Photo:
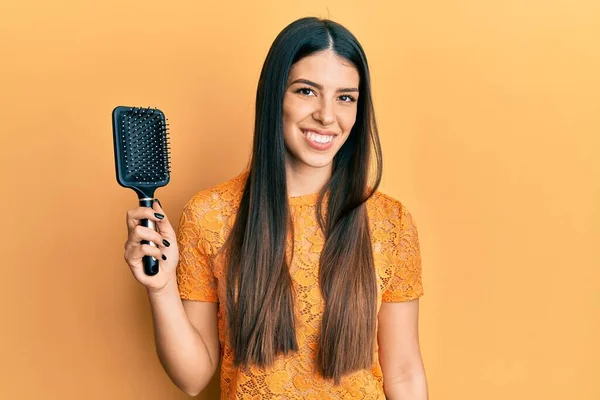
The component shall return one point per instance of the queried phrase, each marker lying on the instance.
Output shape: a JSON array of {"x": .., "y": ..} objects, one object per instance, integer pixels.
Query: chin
[{"x": 316, "y": 162}]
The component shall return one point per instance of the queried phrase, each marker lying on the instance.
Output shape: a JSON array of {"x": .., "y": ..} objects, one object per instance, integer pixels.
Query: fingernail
[
  {"x": 164, "y": 257},
  {"x": 166, "y": 242},
  {"x": 158, "y": 201},
  {"x": 159, "y": 216}
]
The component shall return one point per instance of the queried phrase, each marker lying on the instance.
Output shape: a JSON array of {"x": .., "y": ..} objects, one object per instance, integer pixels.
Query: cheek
[
  {"x": 296, "y": 110},
  {"x": 346, "y": 119},
  {"x": 290, "y": 118},
  {"x": 287, "y": 110}
]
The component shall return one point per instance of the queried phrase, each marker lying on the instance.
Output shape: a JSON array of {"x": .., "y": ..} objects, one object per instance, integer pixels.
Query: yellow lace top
[{"x": 203, "y": 227}]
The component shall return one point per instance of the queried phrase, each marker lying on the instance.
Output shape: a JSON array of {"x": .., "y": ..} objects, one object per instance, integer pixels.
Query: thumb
[
  {"x": 157, "y": 206},
  {"x": 164, "y": 225}
]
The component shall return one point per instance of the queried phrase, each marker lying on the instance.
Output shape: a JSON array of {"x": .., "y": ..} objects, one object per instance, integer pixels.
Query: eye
[
  {"x": 305, "y": 91},
  {"x": 346, "y": 98}
]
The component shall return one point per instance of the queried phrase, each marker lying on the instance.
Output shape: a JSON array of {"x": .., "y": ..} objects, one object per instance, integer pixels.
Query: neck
[{"x": 304, "y": 179}]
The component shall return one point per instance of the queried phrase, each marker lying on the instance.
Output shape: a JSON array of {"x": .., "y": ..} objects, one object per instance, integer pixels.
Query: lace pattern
[{"x": 204, "y": 224}]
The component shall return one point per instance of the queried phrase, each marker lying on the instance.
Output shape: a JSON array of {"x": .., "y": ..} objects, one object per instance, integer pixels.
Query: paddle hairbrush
[{"x": 142, "y": 159}]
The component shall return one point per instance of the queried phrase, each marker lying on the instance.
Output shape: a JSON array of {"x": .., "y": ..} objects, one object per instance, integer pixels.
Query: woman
[{"x": 297, "y": 274}]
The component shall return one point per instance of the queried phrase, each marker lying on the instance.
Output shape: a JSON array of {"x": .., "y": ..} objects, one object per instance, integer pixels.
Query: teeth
[{"x": 318, "y": 138}]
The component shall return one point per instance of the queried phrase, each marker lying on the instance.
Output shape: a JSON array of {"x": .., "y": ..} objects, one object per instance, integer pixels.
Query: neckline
[{"x": 303, "y": 200}]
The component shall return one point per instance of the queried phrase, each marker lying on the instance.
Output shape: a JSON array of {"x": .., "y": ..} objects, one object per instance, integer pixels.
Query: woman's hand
[{"x": 166, "y": 251}]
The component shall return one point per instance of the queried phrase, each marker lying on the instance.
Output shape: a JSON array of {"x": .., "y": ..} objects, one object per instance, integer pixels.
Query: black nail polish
[
  {"x": 159, "y": 216},
  {"x": 158, "y": 201},
  {"x": 166, "y": 242},
  {"x": 164, "y": 257}
]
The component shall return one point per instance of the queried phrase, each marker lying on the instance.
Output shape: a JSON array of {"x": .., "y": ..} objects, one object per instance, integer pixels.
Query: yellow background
[{"x": 489, "y": 113}]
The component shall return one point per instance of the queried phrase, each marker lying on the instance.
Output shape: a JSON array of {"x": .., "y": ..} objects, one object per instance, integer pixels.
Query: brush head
[{"x": 141, "y": 149}]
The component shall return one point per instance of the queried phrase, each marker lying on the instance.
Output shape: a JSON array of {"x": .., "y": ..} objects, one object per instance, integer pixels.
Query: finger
[
  {"x": 135, "y": 215},
  {"x": 157, "y": 208},
  {"x": 147, "y": 250},
  {"x": 133, "y": 255},
  {"x": 164, "y": 225},
  {"x": 157, "y": 205},
  {"x": 140, "y": 233}
]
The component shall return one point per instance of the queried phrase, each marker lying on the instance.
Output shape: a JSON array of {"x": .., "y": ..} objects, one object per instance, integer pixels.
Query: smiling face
[{"x": 319, "y": 110}]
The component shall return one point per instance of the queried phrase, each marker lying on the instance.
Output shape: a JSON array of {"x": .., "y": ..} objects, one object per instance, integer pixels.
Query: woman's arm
[
  {"x": 186, "y": 337},
  {"x": 399, "y": 352}
]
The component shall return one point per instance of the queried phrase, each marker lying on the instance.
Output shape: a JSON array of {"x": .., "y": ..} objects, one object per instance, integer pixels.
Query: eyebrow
[{"x": 320, "y": 87}]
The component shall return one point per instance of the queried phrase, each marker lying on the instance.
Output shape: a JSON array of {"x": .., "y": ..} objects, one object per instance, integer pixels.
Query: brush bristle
[{"x": 144, "y": 135}]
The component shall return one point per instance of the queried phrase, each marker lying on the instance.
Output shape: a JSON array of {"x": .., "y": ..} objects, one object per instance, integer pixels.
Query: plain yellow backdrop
[{"x": 489, "y": 113}]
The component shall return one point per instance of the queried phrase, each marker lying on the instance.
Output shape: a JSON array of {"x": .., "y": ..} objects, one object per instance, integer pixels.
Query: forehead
[{"x": 327, "y": 69}]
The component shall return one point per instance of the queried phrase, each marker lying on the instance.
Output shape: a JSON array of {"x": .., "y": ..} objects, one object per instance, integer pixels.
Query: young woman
[{"x": 298, "y": 275}]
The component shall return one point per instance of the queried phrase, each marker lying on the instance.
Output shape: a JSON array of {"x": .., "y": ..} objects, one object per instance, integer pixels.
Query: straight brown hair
[{"x": 260, "y": 299}]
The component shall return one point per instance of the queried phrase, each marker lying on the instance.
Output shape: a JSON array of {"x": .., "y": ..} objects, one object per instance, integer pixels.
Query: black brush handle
[{"x": 150, "y": 263}]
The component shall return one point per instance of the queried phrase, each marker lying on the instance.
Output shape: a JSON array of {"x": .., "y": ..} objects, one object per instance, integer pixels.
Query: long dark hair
[{"x": 260, "y": 296}]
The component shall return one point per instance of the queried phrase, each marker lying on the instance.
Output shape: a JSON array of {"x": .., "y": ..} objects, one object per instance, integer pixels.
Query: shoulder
[
  {"x": 387, "y": 211},
  {"x": 223, "y": 197},
  {"x": 384, "y": 206}
]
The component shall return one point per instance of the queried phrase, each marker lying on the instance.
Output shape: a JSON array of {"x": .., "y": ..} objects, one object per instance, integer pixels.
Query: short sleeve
[
  {"x": 406, "y": 281},
  {"x": 195, "y": 276}
]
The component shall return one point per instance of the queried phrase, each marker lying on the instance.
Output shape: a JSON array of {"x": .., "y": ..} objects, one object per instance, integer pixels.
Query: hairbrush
[{"x": 142, "y": 159}]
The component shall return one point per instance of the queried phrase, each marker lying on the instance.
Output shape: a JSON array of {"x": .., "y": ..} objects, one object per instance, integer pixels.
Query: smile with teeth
[{"x": 318, "y": 138}]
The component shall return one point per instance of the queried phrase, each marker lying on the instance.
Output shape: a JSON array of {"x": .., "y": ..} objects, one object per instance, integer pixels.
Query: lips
[{"x": 318, "y": 140}]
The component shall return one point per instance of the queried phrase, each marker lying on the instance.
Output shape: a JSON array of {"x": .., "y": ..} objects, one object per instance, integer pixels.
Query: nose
[{"x": 324, "y": 112}]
